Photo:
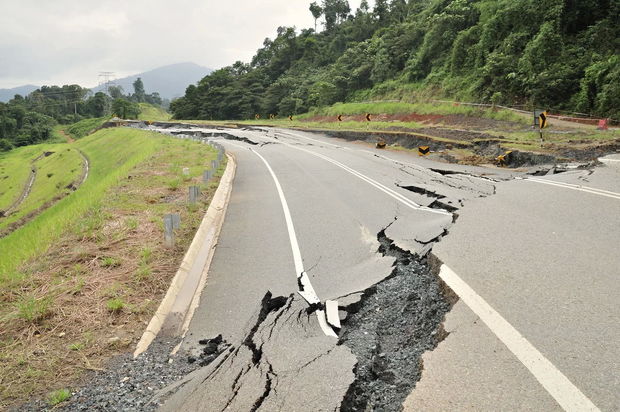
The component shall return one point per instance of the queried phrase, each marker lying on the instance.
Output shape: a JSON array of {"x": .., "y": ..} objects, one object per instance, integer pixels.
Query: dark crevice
[
  {"x": 278, "y": 316},
  {"x": 236, "y": 387},
  {"x": 268, "y": 387},
  {"x": 440, "y": 205},
  {"x": 435, "y": 239},
  {"x": 445, "y": 172},
  {"x": 390, "y": 328},
  {"x": 237, "y": 138},
  {"x": 316, "y": 358},
  {"x": 268, "y": 305},
  {"x": 422, "y": 191}
]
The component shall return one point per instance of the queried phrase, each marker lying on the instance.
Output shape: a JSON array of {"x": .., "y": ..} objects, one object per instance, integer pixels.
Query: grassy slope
[
  {"x": 54, "y": 174},
  {"x": 153, "y": 113},
  {"x": 404, "y": 108},
  {"x": 84, "y": 127},
  {"x": 111, "y": 252},
  {"x": 14, "y": 173},
  {"x": 112, "y": 152}
]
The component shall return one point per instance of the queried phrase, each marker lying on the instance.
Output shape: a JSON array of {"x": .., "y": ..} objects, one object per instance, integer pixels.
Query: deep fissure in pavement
[{"x": 390, "y": 327}]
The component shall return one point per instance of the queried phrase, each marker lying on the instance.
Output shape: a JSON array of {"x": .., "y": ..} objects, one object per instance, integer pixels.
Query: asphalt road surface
[{"x": 523, "y": 270}]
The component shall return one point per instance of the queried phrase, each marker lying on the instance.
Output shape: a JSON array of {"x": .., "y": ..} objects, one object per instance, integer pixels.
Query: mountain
[
  {"x": 8, "y": 94},
  {"x": 169, "y": 81}
]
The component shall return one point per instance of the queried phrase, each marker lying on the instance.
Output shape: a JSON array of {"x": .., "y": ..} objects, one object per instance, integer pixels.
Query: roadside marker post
[
  {"x": 169, "y": 231},
  {"x": 176, "y": 221},
  {"x": 186, "y": 171},
  {"x": 194, "y": 193},
  {"x": 540, "y": 120}
]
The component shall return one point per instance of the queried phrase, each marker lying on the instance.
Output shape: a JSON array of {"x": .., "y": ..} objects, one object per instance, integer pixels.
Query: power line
[{"x": 104, "y": 79}]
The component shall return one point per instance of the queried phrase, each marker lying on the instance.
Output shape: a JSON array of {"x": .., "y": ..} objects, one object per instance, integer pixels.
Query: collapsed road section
[{"x": 283, "y": 361}]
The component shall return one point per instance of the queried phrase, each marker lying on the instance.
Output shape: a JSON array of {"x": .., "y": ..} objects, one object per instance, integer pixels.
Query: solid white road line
[
  {"x": 571, "y": 186},
  {"x": 311, "y": 139},
  {"x": 392, "y": 193},
  {"x": 567, "y": 395},
  {"x": 308, "y": 292}
]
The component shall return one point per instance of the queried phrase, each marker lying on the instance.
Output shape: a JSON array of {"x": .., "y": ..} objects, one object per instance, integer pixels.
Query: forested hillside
[
  {"x": 559, "y": 54},
  {"x": 28, "y": 120}
]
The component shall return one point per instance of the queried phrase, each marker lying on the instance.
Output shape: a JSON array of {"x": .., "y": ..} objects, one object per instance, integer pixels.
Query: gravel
[
  {"x": 129, "y": 384},
  {"x": 389, "y": 329}
]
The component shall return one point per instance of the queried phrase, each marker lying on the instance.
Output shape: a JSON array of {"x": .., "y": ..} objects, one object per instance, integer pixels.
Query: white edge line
[
  {"x": 567, "y": 395},
  {"x": 585, "y": 189},
  {"x": 408, "y": 202},
  {"x": 299, "y": 266}
]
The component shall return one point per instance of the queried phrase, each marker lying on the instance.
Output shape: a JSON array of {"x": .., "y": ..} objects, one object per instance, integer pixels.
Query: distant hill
[
  {"x": 8, "y": 94},
  {"x": 170, "y": 81}
]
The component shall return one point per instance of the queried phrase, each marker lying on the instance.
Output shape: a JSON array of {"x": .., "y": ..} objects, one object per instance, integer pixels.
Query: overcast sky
[{"x": 71, "y": 41}]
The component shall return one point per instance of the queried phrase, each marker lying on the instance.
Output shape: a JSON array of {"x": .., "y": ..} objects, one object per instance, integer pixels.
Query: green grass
[
  {"x": 14, "y": 173},
  {"x": 84, "y": 127},
  {"x": 115, "y": 305},
  {"x": 54, "y": 174},
  {"x": 419, "y": 108},
  {"x": 153, "y": 113},
  {"x": 32, "y": 309},
  {"x": 58, "y": 396},
  {"x": 112, "y": 153}
]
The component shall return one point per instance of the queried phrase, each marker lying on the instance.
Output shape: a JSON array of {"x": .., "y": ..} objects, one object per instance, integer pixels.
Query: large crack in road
[
  {"x": 389, "y": 329},
  {"x": 284, "y": 362}
]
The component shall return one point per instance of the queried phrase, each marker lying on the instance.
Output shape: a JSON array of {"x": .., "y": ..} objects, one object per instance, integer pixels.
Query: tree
[
  {"x": 125, "y": 109},
  {"x": 97, "y": 105},
  {"x": 116, "y": 92},
  {"x": 138, "y": 91},
  {"x": 316, "y": 11}
]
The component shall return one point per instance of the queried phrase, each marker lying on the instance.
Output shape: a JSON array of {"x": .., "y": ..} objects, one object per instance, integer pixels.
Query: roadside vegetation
[
  {"x": 59, "y": 170},
  {"x": 153, "y": 113},
  {"x": 14, "y": 173},
  {"x": 487, "y": 51},
  {"x": 81, "y": 279},
  {"x": 57, "y": 114},
  {"x": 85, "y": 127}
]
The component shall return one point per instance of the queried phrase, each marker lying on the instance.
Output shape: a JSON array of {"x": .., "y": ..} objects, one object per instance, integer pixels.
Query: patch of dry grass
[{"x": 92, "y": 293}]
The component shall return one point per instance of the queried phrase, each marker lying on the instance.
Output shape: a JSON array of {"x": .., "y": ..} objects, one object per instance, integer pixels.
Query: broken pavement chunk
[{"x": 333, "y": 318}]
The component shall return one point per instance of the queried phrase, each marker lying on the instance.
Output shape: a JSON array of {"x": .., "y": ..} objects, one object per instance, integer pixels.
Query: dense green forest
[
  {"x": 28, "y": 120},
  {"x": 559, "y": 54}
]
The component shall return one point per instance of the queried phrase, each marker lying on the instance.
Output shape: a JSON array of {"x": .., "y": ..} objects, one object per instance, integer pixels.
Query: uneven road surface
[{"x": 527, "y": 318}]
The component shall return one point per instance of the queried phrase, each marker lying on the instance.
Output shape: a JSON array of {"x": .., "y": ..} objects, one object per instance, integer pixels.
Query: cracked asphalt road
[{"x": 341, "y": 195}]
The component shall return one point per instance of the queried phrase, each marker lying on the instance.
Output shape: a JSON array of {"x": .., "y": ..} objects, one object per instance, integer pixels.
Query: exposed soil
[{"x": 458, "y": 120}]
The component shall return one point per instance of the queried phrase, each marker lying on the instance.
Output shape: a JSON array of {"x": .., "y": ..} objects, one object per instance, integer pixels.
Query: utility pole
[{"x": 104, "y": 79}]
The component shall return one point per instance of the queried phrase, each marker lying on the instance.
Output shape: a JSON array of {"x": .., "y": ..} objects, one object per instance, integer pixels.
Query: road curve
[{"x": 542, "y": 255}]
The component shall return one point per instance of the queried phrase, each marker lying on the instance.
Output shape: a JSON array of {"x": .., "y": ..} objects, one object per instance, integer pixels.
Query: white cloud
[{"x": 71, "y": 41}]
